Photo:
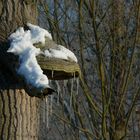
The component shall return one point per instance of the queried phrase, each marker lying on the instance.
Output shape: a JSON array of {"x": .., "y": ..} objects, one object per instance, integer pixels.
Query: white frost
[
  {"x": 22, "y": 45},
  {"x": 61, "y": 52}
]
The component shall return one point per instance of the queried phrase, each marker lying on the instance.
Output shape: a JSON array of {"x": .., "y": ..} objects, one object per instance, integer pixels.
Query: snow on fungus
[
  {"x": 61, "y": 52},
  {"x": 38, "y": 34},
  {"x": 22, "y": 45}
]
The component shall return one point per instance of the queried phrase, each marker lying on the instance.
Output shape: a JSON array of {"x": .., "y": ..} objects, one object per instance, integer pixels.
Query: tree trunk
[
  {"x": 19, "y": 113},
  {"x": 15, "y": 13}
]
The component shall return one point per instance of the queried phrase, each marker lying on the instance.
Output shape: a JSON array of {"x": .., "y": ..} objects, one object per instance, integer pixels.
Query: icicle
[
  {"x": 51, "y": 105},
  {"x": 77, "y": 86},
  {"x": 52, "y": 74},
  {"x": 58, "y": 97},
  {"x": 65, "y": 88},
  {"x": 74, "y": 76},
  {"x": 44, "y": 110},
  {"x": 65, "y": 83},
  {"x": 71, "y": 93},
  {"x": 58, "y": 90},
  {"x": 50, "y": 82},
  {"x": 47, "y": 115}
]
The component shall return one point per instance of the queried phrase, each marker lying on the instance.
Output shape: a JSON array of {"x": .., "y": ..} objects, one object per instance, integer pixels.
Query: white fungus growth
[{"x": 22, "y": 44}]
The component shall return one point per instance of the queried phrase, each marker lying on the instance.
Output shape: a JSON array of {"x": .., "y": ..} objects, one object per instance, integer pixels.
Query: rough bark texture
[
  {"x": 19, "y": 113},
  {"x": 15, "y": 13}
]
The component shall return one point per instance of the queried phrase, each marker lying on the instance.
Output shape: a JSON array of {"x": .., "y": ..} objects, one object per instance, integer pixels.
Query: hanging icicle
[
  {"x": 44, "y": 109},
  {"x": 47, "y": 114},
  {"x": 52, "y": 74},
  {"x": 63, "y": 91},
  {"x": 77, "y": 86},
  {"x": 58, "y": 97},
  {"x": 74, "y": 76},
  {"x": 65, "y": 84},
  {"x": 51, "y": 104},
  {"x": 71, "y": 95},
  {"x": 58, "y": 91}
]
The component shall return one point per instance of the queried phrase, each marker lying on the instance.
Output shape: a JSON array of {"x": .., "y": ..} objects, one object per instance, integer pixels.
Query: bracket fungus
[
  {"x": 41, "y": 59},
  {"x": 57, "y": 68}
]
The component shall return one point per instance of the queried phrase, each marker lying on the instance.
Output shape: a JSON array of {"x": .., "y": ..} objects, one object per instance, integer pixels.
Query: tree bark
[
  {"x": 19, "y": 113},
  {"x": 15, "y": 13}
]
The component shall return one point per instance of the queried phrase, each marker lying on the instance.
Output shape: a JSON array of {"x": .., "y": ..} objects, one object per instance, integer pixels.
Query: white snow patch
[
  {"x": 22, "y": 45},
  {"x": 30, "y": 69},
  {"x": 20, "y": 41},
  {"x": 61, "y": 52},
  {"x": 38, "y": 34}
]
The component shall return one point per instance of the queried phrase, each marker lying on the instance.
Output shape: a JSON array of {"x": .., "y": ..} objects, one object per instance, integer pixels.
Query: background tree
[{"x": 105, "y": 36}]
